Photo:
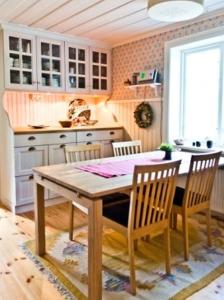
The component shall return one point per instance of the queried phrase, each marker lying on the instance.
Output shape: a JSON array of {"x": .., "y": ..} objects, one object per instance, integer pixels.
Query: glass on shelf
[
  {"x": 55, "y": 50},
  {"x": 13, "y": 43},
  {"x": 81, "y": 54},
  {"x": 26, "y": 61},
  {"x": 72, "y": 81},
  {"x": 45, "y": 64},
  {"x": 72, "y": 53},
  {"x": 56, "y": 80},
  {"x": 14, "y": 77},
  {"x": 45, "y": 49},
  {"x": 82, "y": 83},
  {"x": 45, "y": 79},
  {"x": 95, "y": 83},
  {"x": 56, "y": 65},
  {"x": 26, "y": 46},
  {"x": 27, "y": 77},
  {"x": 14, "y": 60},
  {"x": 72, "y": 68},
  {"x": 103, "y": 71},
  {"x": 82, "y": 70},
  {"x": 95, "y": 57},
  {"x": 103, "y": 84},
  {"x": 95, "y": 70},
  {"x": 103, "y": 58}
]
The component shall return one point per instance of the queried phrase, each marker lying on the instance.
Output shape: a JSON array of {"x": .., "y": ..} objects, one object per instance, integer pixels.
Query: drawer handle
[
  {"x": 32, "y": 149},
  {"x": 89, "y": 134},
  {"x": 112, "y": 132},
  {"x": 89, "y": 143},
  {"x": 31, "y": 138},
  {"x": 30, "y": 177},
  {"x": 62, "y": 136},
  {"x": 62, "y": 146},
  {"x": 112, "y": 141}
]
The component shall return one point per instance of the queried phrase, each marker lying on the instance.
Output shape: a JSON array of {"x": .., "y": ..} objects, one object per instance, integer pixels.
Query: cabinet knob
[
  {"x": 112, "y": 132},
  {"x": 31, "y": 138},
  {"x": 89, "y": 134},
  {"x": 32, "y": 149},
  {"x": 30, "y": 177},
  {"x": 89, "y": 143},
  {"x": 62, "y": 146},
  {"x": 62, "y": 136},
  {"x": 112, "y": 141}
]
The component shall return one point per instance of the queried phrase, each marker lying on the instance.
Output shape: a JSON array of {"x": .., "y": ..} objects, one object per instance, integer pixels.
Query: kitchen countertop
[{"x": 24, "y": 130}]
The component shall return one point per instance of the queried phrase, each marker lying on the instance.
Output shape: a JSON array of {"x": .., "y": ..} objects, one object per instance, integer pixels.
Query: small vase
[{"x": 167, "y": 155}]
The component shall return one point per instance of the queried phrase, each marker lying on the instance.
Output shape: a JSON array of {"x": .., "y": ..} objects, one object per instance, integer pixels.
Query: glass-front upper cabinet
[
  {"x": 50, "y": 68},
  {"x": 100, "y": 71},
  {"x": 20, "y": 61},
  {"x": 77, "y": 68}
]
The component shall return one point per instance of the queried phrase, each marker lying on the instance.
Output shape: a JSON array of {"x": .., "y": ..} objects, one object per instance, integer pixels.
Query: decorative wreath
[{"x": 143, "y": 115}]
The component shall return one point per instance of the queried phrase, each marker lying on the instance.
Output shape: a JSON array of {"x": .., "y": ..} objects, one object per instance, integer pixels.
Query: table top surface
[{"x": 95, "y": 186}]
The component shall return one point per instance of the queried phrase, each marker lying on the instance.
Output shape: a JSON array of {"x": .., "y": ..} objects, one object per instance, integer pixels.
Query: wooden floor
[{"x": 19, "y": 278}]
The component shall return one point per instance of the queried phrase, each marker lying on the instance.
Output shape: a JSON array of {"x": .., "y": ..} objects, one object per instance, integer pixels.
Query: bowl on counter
[{"x": 65, "y": 123}]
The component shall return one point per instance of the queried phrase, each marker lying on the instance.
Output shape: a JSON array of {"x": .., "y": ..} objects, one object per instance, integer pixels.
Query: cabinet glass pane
[
  {"x": 14, "y": 77},
  {"x": 26, "y": 46},
  {"x": 45, "y": 64},
  {"x": 14, "y": 60},
  {"x": 81, "y": 69},
  {"x": 55, "y": 50},
  {"x": 81, "y": 54},
  {"x": 27, "y": 77},
  {"x": 95, "y": 70},
  {"x": 103, "y": 84},
  {"x": 56, "y": 66},
  {"x": 72, "y": 68},
  {"x": 72, "y": 53},
  {"x": 104, "y": 71},
  {"x": 95, "y": 83},
  {"x": 95, "y": 57},
  {"x": 27, "y": 62},
  {"x": 103, "y": 58},
  {"x": 56, "y": 80},
  {"x": 45, "y": 79},
  {"x": 82, "y": 83},
  {"x": 45, "y": 49},
  {"x": 72, "y": 81},
  {"x": 13, "y": 43}
]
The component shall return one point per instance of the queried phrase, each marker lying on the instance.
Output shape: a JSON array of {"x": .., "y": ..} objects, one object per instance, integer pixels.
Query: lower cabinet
[{"x": 57, "y": 153}]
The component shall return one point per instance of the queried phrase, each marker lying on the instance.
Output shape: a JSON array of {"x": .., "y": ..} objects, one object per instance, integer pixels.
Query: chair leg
[
  {"x": 185, "y": 237},
  {"x": 132, "y": 266},
  {"x": 135, "y": 245},
  {"x": 167, "y": 249},
  {"x": 71, "y": 221},
  {"x": 208, "y": 217}
]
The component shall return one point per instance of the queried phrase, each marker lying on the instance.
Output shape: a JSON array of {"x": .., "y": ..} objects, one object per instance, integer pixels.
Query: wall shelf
[{"x": 136, "y": 87}]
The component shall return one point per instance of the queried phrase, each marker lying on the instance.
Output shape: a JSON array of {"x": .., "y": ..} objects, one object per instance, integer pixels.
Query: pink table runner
[{"x": 118, "y": 168}]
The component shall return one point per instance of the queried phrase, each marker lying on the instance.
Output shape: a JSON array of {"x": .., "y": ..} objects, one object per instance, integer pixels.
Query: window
[{"x": 196, "y": 92}]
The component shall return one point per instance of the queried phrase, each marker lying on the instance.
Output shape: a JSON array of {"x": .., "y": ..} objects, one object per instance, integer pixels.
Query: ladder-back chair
[{"x": 126, "y": 148}]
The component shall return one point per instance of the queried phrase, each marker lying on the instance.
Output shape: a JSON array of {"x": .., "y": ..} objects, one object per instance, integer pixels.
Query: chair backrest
[
  {"x": 126, "y": 148},
  {"x": 152, "y": 195},
  {"x": 200, "y": 179},
  {"x": 82, "y": 152}
]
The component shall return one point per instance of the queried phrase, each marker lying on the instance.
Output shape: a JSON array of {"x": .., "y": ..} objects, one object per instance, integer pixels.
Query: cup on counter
[
  {"x": 198, "y": 144},
  {"x": 209, "y": 143}
]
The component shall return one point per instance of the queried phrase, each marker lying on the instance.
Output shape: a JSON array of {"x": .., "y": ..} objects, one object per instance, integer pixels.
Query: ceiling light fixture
[{"x": 174, "y": 10}]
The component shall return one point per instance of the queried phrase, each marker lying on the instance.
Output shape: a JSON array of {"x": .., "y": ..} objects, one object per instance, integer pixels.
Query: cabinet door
[
  {"x": 50, "y": 70},
  {"x": 76, "y": 68},
  {"x": 100, "y": 61},
  {"x": 57, "y": 154},
  {"x": 107, "y": 148},
  {"x": 27, "y": 158},
  {"x": 20, "y": 61}
]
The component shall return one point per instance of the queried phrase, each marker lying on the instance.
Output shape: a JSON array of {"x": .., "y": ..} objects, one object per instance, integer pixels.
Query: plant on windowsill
[{"x": 168, "y": 148}]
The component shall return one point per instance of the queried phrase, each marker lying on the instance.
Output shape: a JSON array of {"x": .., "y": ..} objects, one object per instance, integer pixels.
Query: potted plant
[{"x": 168, "y": 148}]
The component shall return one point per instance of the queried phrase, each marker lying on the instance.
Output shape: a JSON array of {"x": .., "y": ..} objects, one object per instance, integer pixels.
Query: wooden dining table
[{"x": 69, "y": 181}]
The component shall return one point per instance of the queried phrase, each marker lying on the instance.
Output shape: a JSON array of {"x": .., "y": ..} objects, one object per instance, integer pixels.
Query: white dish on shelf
[{"x": 37, "y": 126}]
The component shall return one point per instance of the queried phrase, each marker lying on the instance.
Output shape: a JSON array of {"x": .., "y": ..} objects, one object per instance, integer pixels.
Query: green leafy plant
[{"x": 166, "y": 147}]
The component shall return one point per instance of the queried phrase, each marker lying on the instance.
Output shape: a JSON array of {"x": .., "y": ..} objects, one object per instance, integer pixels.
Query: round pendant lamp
[{"x": 174, "y": 10}]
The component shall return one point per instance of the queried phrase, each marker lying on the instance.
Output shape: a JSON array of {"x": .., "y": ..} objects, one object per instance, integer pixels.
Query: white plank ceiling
[{"x": 110, "y": 21}]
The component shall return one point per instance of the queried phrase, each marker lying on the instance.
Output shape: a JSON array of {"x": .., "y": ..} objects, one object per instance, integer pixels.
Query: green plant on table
[{"x": 166, "y": 147}]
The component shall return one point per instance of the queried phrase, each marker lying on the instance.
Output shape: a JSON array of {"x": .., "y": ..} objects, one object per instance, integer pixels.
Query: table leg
[
  {"x": 39, "y": 218},
  {"x": 95, "y": 250}
]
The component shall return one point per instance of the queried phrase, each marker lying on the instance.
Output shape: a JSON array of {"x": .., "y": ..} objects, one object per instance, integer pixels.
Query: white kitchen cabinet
[
  {"x": 76, "y": 68},
  {"x": 100, "y": 73},
  {"x": 50, "y": 65},
  {"x": 20, "y": 61},
  {"x": 57, "y": 153}
]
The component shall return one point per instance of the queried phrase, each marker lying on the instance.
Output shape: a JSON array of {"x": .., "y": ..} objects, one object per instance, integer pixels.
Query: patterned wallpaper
[{"x": 149, "y": 53}]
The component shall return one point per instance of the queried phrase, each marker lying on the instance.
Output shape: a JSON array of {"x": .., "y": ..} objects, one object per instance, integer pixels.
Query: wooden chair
[
  {"x": 196, "y": 195},
  {"x": 126, "y": 148},
  {"x": 87, "y": 152},
  {"x": 148, "y": 212}
]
